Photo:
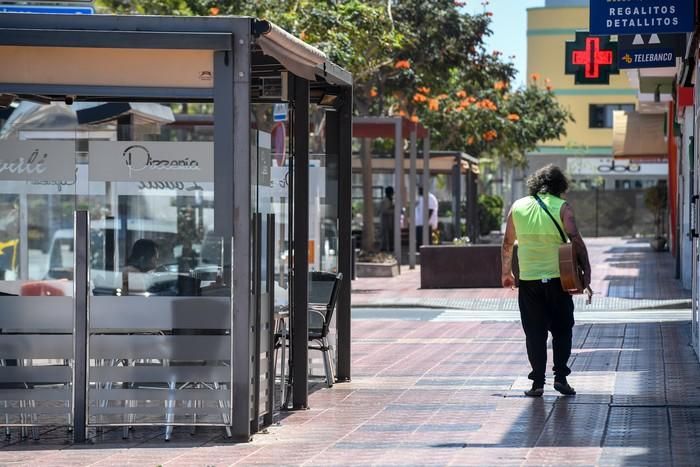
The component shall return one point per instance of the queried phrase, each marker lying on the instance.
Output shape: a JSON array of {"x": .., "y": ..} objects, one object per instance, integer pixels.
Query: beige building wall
[{"x": 549, "y": 28}]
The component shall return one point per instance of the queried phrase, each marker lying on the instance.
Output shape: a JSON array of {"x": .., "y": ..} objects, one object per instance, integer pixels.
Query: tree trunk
[{"x": 367, "y": 201}]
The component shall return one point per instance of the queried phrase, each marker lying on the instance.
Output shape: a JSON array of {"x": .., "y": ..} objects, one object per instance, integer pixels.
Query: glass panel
[
  {"x": 152, "y": 215},
  {"x": 270, "y": 175},
  {"x": 323, "y": 200},
  {"x": 37, "y": 201},
  {"x": 271, "y": 193},
  {"x": 323, "y": 232},
  {"x": 154, "y": 253}
]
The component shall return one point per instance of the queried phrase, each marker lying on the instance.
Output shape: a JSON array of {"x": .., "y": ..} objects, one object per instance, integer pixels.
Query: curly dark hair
[{"x": 549, "y": 179}]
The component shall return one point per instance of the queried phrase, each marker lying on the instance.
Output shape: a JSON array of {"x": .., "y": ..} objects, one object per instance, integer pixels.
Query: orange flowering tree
[
  {"x": 498, "y": 121},
  {"x": 439, "y": 43},
  {"x": 443, "y": 76}
]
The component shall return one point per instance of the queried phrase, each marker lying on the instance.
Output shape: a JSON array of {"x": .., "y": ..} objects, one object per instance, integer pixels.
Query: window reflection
[
  {"x": 157, "y": 200},
  {"x": 37, "y": 198},
  {"x": 323, "y": 186},
  {"x": 271, "y": 195},
  {"x": 169, "y": 207}
]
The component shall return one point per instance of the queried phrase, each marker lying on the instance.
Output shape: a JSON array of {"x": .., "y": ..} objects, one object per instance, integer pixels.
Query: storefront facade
[{"x": 156, "y": 174}]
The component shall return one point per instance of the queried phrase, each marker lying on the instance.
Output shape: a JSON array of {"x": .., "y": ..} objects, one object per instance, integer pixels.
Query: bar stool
[{"x": 23, "y": 403}]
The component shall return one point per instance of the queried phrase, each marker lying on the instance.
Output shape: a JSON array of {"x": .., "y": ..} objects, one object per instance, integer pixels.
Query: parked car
[{"x": 174, "y": 274}]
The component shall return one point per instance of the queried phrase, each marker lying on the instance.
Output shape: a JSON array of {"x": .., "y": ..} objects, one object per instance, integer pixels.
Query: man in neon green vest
[{"x": 544, "y": 306}]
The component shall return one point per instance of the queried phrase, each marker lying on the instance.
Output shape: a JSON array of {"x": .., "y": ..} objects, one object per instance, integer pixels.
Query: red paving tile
[
  {"x": 429, "y": 403},
  {"x": 450, "y": 393},
  {"x": 622, "y": 268}
]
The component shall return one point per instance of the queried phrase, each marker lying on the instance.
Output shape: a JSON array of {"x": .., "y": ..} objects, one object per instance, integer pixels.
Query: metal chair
[
  {"x": 170, "y": 402},
  {"x": 323, "y": 294},
  {"x": 281, "y": 331}
]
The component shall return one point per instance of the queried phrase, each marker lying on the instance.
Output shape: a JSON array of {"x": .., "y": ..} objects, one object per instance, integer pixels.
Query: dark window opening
[{"x": 601, "y": 115}]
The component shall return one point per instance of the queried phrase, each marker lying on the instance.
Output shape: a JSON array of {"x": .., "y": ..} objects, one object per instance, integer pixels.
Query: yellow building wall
[{"x": 548, "y": 31}]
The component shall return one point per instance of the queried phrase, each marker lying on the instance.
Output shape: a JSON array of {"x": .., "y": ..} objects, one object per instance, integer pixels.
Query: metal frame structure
[
  {"x": 300, "y": 327},
  {"x": 238, "y": 59},
  {"x": 466, "y": 165},
  {"x": 398, "y": 129},
  {"x": 464, "y": 172}
]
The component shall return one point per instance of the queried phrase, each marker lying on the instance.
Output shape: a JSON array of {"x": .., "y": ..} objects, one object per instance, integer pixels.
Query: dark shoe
[
  {"x": 535, "y": 391},
  {"x": 564, "y": 388}
]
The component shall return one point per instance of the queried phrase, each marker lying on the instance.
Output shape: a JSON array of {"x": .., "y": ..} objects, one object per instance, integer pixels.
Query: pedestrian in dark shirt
[{"x": 386, "y": 220}]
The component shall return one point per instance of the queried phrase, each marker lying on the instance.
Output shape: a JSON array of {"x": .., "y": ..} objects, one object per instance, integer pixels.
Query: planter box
[
  {"x": 377, "y": 269},
  {"x": 469, "y": 266}
]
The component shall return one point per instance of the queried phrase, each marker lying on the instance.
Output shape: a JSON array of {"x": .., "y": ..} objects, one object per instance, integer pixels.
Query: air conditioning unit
[{"x": 274, "y": 87}]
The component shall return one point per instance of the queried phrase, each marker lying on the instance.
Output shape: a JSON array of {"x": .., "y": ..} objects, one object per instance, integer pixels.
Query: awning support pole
[
  {"x": 345, "y": 251},
  {"x": 300, "y": 315},
  {"x": 237, "y": 143}
]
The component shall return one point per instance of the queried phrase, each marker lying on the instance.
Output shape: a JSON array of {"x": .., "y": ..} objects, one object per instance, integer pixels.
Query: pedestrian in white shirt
[{"x": 432, "y": 216}]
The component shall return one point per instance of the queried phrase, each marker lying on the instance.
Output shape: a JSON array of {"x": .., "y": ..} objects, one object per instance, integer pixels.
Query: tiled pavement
[
  {"x": 433, "y": 391},
  {"x": 627, "y": 274},
  {"x": 450, "y": 393}
]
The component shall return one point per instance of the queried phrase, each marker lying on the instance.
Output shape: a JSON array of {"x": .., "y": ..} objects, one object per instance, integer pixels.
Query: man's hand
[
  {"x": 586, "y": 277},
  {"x": 508, "y": 280},
  {"x": 589, "y": 295}
]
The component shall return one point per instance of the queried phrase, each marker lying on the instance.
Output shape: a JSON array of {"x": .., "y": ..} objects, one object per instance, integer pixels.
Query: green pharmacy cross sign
[{"x": 591, "y": 59}]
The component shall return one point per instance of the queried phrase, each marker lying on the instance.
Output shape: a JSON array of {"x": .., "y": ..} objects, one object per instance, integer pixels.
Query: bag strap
[{"x": 556, "y": 224}]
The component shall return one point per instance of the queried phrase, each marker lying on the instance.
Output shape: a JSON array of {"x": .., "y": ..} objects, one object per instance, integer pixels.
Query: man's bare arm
[
  {"x": 567, "y": 217},
  {"x": 507, "y": 278}
]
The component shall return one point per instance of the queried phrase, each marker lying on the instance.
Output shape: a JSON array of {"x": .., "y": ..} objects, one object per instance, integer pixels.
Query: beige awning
[
  {"x": 639, "y": 135},
  {"x": 294, "y": 54}
]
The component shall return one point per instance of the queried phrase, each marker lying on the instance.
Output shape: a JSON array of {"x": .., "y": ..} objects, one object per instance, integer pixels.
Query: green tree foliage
[
  {"x": 490, "y": 213},
  {"x": 144, "y": 7},
  {"x": 423, "y": 59},
  {"x": 359, "y": 35}
]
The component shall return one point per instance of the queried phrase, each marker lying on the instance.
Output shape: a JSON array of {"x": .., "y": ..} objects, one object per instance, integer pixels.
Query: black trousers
[
  {"x": 387, "y": 239},
  {"x": 544, "y": 307}
]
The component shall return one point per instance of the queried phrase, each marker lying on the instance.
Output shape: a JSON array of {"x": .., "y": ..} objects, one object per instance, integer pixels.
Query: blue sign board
[
  {"x": 48, "y": 9},
  {"x": 641, "y": 16},
  {"x": 279, "y": 113},
  {"x": 650, "y": 51},
  {"x": 649, "y": 58}
]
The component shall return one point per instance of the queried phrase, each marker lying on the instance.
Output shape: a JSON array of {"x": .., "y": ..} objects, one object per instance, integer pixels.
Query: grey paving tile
[{"x": 464, "y": 406}]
